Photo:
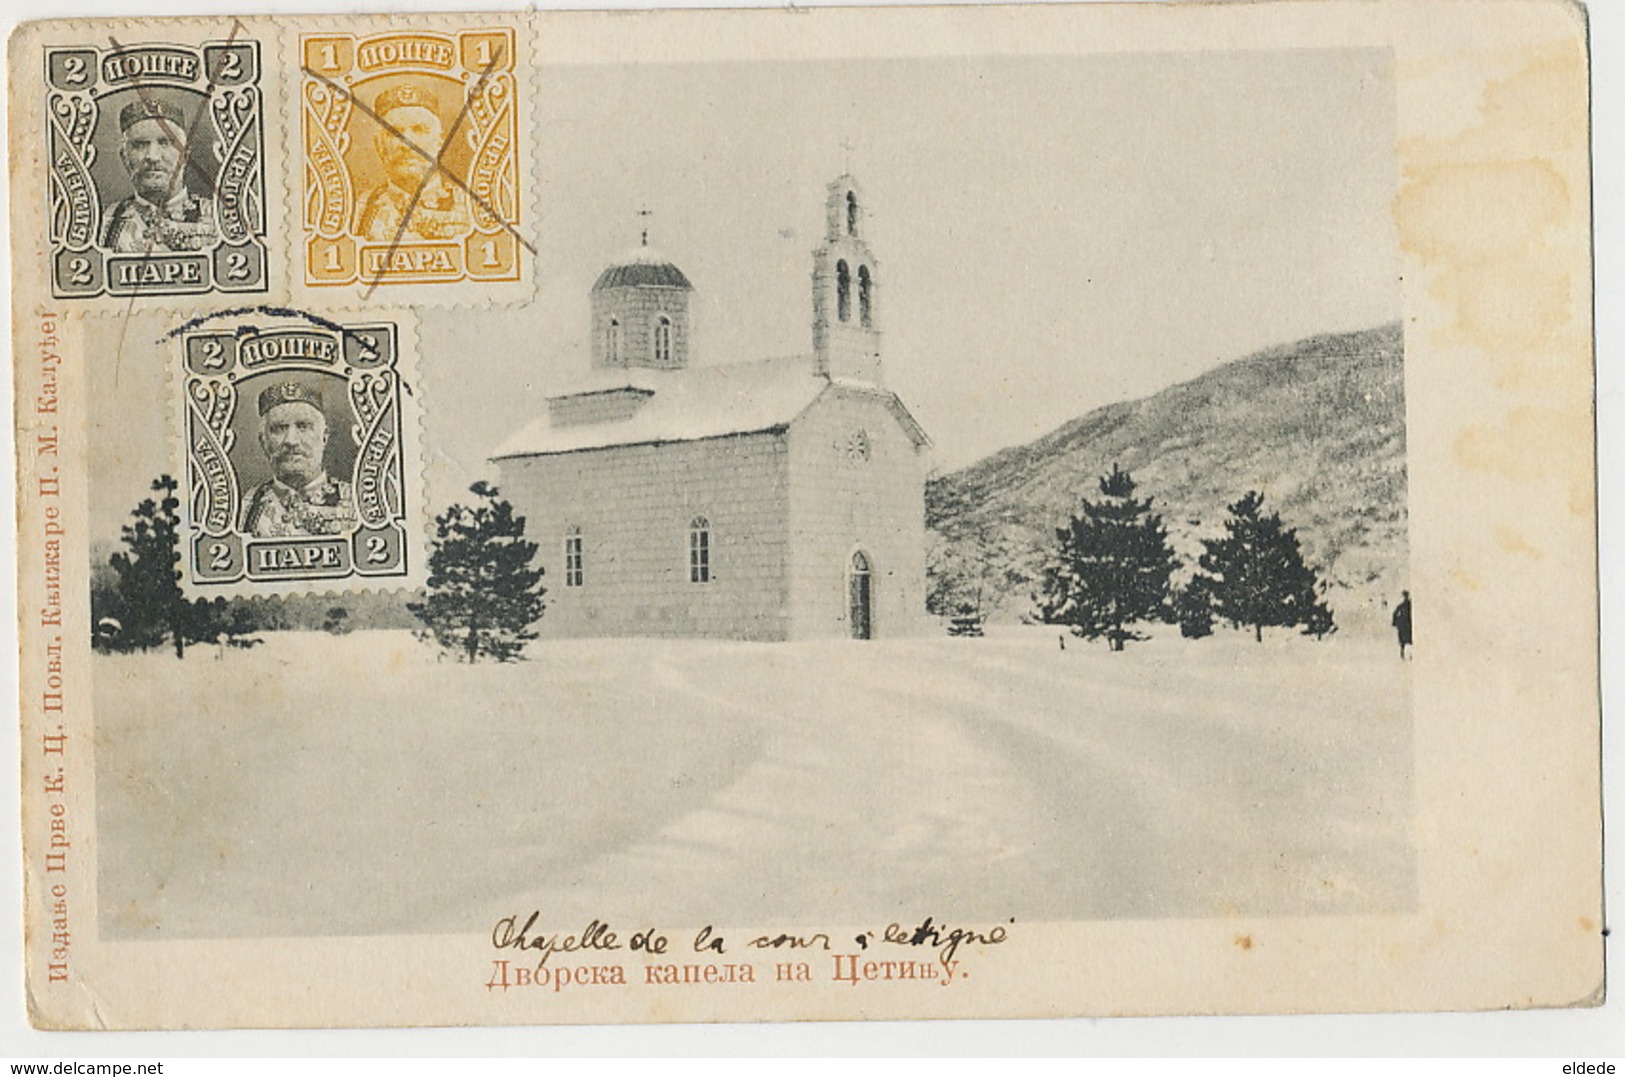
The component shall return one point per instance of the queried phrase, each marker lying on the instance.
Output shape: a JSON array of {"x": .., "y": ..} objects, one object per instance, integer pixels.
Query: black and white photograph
[{"x": 886, "y": 547}]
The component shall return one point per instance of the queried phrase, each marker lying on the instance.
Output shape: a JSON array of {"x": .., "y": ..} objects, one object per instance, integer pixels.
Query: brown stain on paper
[
  {"x": 1534, "y": 445},
  {"x": 1495, "y": 216},
  {"x": 1513, "y": 542},
  {"x": 1466, "y": 580}
]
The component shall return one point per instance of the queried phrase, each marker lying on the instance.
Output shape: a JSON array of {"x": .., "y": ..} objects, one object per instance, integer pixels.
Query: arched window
[
  {"x": 860, "y": 597},
  {"x": 612, "y": 341},
  {"x": 699, "y": 550},
  {"x": 851, "y": 214},
  {"x": 573, "y": 576},
  {"x": 843, "y": 291},
  {"x": 662, "y": 339},
  {"x": 865, "y": 297}
]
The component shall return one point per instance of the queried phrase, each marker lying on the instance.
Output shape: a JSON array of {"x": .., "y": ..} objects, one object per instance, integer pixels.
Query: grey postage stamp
[
  {"x": 156, "y": 181},
  {"x": 294, "y": 464}
]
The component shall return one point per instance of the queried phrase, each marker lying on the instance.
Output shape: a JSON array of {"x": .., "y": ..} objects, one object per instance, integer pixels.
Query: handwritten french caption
[{"x": 927, "y": 953}]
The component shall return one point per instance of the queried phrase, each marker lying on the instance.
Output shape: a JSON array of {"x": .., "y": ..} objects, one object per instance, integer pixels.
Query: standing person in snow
[{"x": 1402, "y": 622}]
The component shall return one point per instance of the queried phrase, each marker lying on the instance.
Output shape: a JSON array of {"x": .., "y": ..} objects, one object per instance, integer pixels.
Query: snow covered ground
[{"x": 355, "y": 785}]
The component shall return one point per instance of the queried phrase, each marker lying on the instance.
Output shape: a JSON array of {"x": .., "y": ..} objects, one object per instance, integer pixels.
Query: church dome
[
  {"x": 645, "y": 268},
  {"x": 640, "y": 313}
]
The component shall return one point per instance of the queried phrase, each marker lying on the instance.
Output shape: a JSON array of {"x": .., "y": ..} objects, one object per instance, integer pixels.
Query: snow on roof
[
  {"x": 644, "y": 267},
  {"x": 688, "y": 404},
  {"x": 640, "y": 275}
]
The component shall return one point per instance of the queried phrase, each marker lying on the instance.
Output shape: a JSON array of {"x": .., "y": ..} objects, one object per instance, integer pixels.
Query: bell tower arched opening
[{"x": 846, "y": 342}]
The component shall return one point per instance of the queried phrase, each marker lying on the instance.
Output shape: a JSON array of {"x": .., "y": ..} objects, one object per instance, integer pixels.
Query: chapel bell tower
[{"x": 846, "y": 326}]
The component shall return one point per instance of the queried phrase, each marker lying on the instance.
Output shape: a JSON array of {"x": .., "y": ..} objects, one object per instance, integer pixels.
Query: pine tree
[
  {"x": 139, "y": 605},
  {"x": 1193, "y": 608},
  {"x": 483, "y": 594},
  {"x": 337, "y": 621},
  {"x": 1319, "y": 623},
  {"x": 1256, "y": 574},
  {"x": 1111, "y": 567},
  {"x": 149, "y": 605}
]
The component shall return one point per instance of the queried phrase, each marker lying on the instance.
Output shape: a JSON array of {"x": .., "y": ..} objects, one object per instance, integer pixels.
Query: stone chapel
[{"x": 765, "y": 499}]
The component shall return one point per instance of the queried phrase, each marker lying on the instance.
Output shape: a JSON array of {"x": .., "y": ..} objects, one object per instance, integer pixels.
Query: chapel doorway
[{"x": 861, "y": 596}]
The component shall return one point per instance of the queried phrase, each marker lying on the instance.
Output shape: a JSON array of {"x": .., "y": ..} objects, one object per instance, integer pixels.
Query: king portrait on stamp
[
  {"x": 416, "y": 201},
  {"x": 161, "y": 214},
  {"x": 301, "y": 498}
]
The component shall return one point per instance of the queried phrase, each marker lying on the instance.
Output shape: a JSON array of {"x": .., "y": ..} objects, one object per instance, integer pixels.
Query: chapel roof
[
  {"x": 693, "y": 403},
  {"x": 643, "y": 267}
]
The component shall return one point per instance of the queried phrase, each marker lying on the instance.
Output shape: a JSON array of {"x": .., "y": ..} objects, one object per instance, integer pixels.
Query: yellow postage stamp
[{"x": 411, "y": 166}]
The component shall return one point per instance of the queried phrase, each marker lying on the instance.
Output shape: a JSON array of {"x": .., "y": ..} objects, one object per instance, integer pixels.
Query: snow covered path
[{"x": 680, "y": 782}]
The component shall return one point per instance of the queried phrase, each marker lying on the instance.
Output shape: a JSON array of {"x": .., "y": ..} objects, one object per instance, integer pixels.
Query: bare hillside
[{"x": 1318, "y": 426}]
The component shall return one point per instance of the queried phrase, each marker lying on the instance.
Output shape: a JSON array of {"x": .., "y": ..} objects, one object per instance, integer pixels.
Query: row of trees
[
  {"x": 1112, "y": 570},
  {"x": 483, "y": 599}
]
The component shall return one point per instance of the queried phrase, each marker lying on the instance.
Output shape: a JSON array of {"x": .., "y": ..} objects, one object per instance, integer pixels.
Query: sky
[{"x": 1053, "y": 233}]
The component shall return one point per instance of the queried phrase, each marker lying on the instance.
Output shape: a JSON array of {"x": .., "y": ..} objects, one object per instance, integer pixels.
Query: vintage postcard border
[{"x": 1501, "y": 464}]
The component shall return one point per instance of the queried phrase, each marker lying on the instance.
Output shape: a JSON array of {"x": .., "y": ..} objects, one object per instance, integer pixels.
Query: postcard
[{"x": 807, "y": 514}]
